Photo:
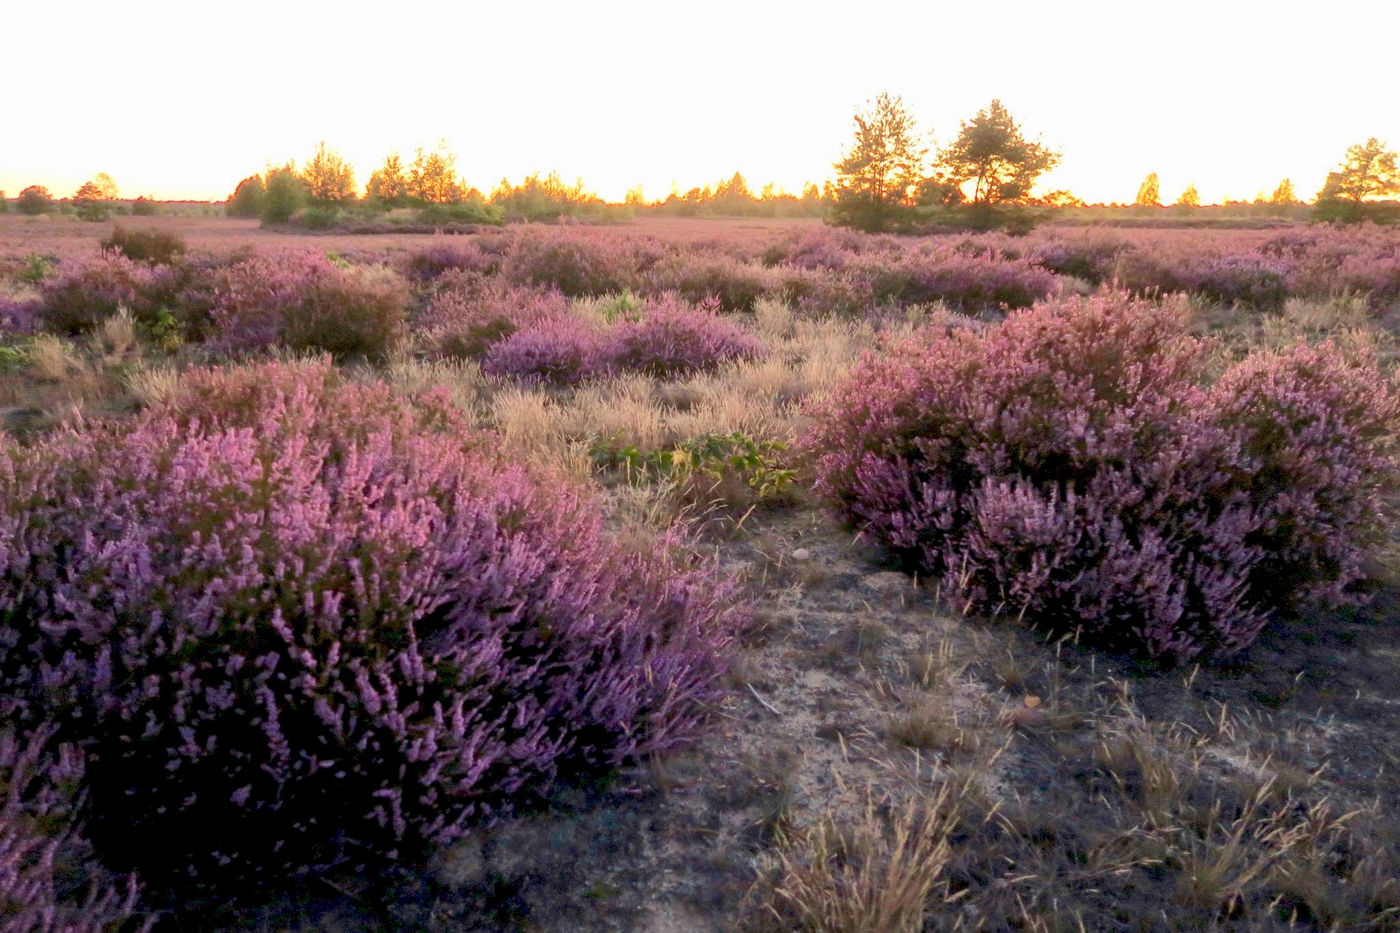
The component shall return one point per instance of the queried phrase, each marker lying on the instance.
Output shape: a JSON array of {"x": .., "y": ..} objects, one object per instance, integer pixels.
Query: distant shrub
[
  {"x": 558, "y": 350},
  {"x": 699, "y": 276},
  {"x": 144, "y": 207},
  {"x": 462, "y": 212},
  {"x": 4, "y": 203},
  {"x": 86, "y": 292},
  {"x": 295, "y": 622},
  {"x": 464, "y": 320},
  {"x": 247, "y": 199},
  {"x": 145, "y": 245},
  {"x": 303, "y": 301},
  {"x": 46, "y": 883},
  {"x": 576, "y": 264},
  {"x": 674, "y": 339},
  {"x": 34, "y": 200},
  {"x": 1068, "y": 465},
  {"x": 317, "y": 217},
  {"x": 284, "y": 193}
]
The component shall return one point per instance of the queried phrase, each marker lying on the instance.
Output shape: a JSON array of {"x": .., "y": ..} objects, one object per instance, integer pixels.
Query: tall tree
[
  {"x": 247, "y": 198},
  {"x": 1283, "y": 195},
  {"x": 433, "y": 177},
  {"x": 329, "y": 178},
  {"x": 388, "y": 184},
  {"x": 877, "y": 178},
  {"x": 993, "y": 156},
  {"x": 1189, "y": 197},
  {"x": 1149, "y": 192},
  {"x": 1369, "y": 174}
]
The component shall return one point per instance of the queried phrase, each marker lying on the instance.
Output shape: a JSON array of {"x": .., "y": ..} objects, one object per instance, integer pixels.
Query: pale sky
[{"x": 183, "y": 99}]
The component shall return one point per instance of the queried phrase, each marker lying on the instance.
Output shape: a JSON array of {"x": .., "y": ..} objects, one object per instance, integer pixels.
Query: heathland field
[{"x": 692, "y": 575}]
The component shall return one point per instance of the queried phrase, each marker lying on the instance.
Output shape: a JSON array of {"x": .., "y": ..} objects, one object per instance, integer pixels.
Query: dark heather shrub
[
  {"x": 577, "y": 264},
  {"x": 18, "y": 317},
  {"x": 1068, "y": 464},
  {"x": 86, "y": 292},
  {"x": 699, "y": 276},
  {"x": 303, "y": 301},
  {"x": 1252, "y": 279},
  {"x": 464, "y": 320},
  {"x": 447, "y": 255},
  {"x": 144, "y": 245},
  {"x": 48, "y": 881},
  {"x": 560, "y": 350},
  {"x": 675, "y": 339},
  {"x": 295, "y": 622}
]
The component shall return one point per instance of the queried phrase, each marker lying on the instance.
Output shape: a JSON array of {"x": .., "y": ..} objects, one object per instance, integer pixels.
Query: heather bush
[
  {"x": 144, "y": 245},
  {"x": 46, "y": 883},
  {"x": 575, "y": 264},
  {"x": 448, "y": 255},
  {"x": 673, "y": 339},
  {"x": 86, "y": 292},
  {"x": 464, "y": 320},
  {"x": 295, "y": 622},
  {"x": 560, "y": 350},
  {"x": 303, "y": 301},
  {"x": 19, "y": 317},
  {"x": 700, "y": 276},
  {"x": 1252, "y": 279},
  {"x": 1068, "y": 464},
  {"x": 966, "y": 281}
]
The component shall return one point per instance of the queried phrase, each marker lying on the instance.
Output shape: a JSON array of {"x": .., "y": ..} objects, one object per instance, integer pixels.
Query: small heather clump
[
  {"x": 559, "y": 350},
  {"x": 294, "y": 621},
  {"x": 448, "y": 255},
  {"x": 674, "y": 339},
  {"x": 86, "y": 292},
  {"x": 699, "y": 276},
  {"x": 577, "y": 264},
  {"x": 303, "y": 301},
  {"x": 145, "y": 244},
  {"x": 1068, "y": 464},
  {"x": 466, "y": 319},
  {"x": 961, "y": 279}
]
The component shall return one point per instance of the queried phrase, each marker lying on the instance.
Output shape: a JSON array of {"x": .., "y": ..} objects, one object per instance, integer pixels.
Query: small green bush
[{"x": 145, "y": 245}]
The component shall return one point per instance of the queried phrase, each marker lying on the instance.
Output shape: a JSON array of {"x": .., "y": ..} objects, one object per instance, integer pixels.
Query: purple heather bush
[
  {"x": 85, "y": 292},
  {"x": 448, "y": 255},
  {"x": 19, "y": 317},
  {"x": 1070, "y": 464},
  {"x": 293, "y": 622},
  {"x": 303, "y": 301},
  {"x": 559, "y": 350},
  {"x": 673, "y": 338},
  {"x": 465, "y": 319},
  {"x": 47, "y": 885},
  {"x": 698, "y": 276},
  {"x": 962, "y": 280},
  {"x": 576, "y": 263}
]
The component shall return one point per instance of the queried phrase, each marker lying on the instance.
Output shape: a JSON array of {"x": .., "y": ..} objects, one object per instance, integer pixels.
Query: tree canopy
[
  {"x": 1368, "y": 174},
  {"x": 992, "y": 154},
  {"x": 879, "y": 175}
]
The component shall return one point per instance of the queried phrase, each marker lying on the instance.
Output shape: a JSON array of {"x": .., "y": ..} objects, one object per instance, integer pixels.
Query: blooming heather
[
  {"x": 1068, "y": 464},
  {"x": 294, "y": 621},
  {"x": 40, "y": 851},
  {"x": 674, "y": 339}
]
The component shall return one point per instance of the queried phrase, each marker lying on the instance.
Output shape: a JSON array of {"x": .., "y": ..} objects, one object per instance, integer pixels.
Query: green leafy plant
[{"x": 705, "y": 456}]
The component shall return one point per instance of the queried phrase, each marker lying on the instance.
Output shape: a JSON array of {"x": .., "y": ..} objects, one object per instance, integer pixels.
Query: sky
[{"x": 180, "y": 100}]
